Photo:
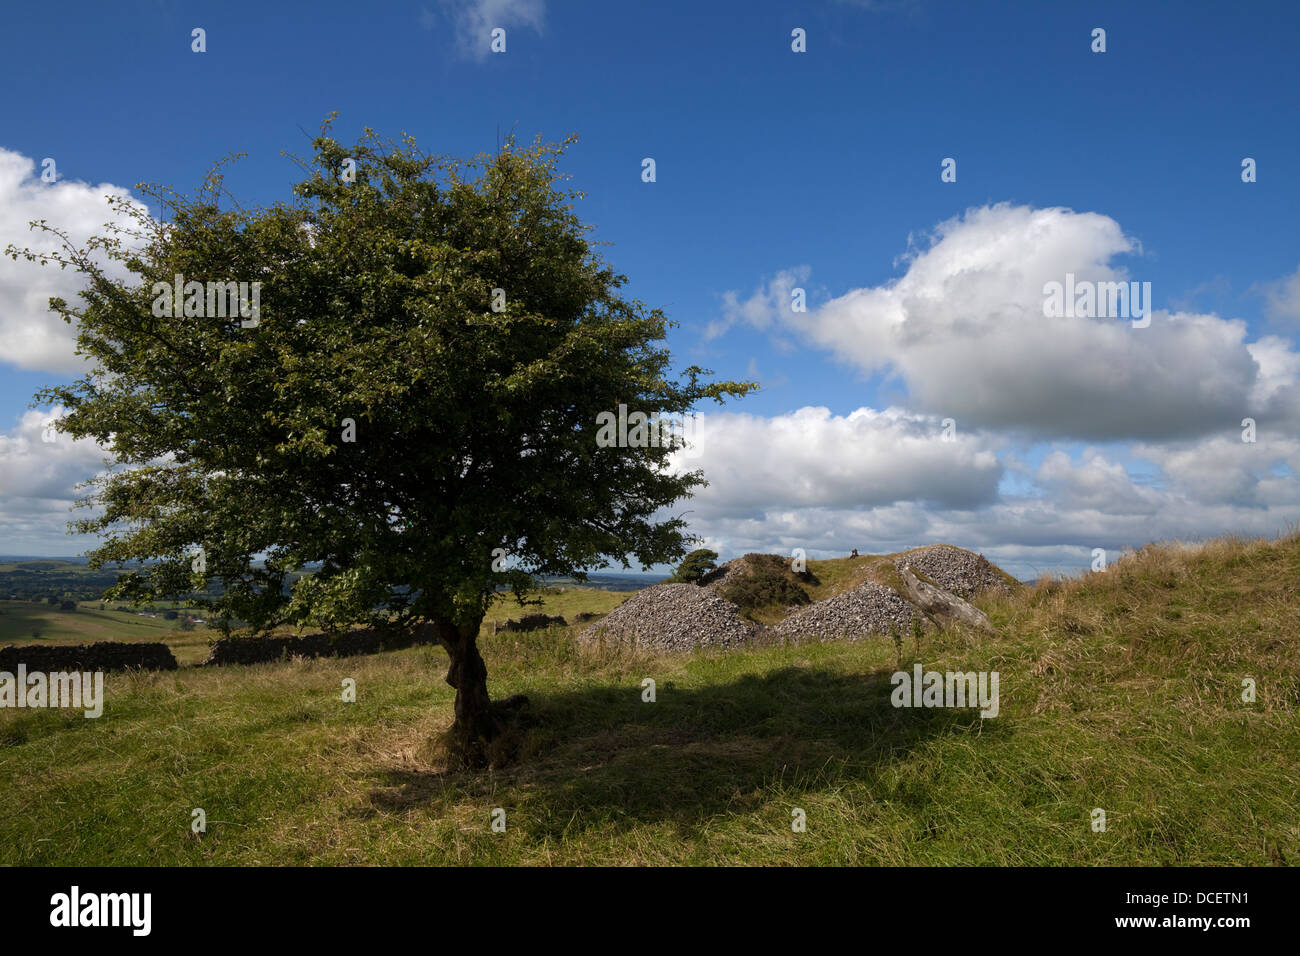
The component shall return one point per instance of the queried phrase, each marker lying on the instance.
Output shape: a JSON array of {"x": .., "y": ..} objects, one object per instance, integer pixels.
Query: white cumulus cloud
[
  {"x": 31, "y": 336},
  {"x": 964, "y": 331},
  {"x": 39, "y": 474}
]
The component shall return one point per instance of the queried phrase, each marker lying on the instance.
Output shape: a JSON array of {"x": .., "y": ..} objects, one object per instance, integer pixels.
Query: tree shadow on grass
[{"x": 600, "y": 756}]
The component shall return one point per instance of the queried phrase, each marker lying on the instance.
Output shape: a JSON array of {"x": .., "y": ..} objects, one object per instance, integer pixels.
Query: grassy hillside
[
  {"x": 566, "y": 603},
  {"x": 23, "y": 622},
  {"x": 1120, "y": 691},
  {"x": 843, "y": 574}
]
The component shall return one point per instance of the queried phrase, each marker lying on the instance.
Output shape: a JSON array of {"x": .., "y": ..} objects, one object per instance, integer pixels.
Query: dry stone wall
[
  {"x": 101, "y": 656},
  {"x": 258, "y": 650}
]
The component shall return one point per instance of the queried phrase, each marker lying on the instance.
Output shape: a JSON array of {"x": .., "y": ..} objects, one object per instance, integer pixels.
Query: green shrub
[{"x": 767, "y": 583}]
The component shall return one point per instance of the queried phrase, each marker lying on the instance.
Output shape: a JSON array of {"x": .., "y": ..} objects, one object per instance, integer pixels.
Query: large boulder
[{"x": 940, "y": 605}]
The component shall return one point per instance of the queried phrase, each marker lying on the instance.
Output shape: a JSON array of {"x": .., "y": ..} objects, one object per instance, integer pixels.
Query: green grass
[
  {"x": 1119, "y": 690},
  {"x": 838, "y": 575},
  {"x": 572, "y": 600}
]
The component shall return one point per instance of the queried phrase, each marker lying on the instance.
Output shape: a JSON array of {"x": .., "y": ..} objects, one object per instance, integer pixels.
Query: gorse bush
[{"x": 767, "y": 583}]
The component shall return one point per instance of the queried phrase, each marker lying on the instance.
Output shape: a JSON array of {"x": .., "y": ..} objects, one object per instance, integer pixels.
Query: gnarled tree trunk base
[{"x": 479, "y": 737}]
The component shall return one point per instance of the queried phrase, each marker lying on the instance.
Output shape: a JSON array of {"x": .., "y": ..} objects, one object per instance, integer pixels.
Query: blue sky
[{"x": 822, "y": 167}]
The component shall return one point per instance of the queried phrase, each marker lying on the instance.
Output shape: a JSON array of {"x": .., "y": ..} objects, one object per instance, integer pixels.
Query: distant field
[
  {"x": 29, "y": 622},
  {"x": 46, "y": 565},
  {"x": 22, "y": 621}
]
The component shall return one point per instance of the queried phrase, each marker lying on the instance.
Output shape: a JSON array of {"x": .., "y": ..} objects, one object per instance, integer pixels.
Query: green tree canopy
[
  {"x": 406, "y": 406},
  {"x": 694, "y": 566}
]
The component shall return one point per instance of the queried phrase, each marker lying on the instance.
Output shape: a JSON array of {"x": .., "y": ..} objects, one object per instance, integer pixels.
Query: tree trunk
[{"x": 474, "y": 727}]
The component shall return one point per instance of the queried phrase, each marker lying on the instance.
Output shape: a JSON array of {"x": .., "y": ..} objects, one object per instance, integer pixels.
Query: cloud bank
[{"x": 1138, "y": 432}]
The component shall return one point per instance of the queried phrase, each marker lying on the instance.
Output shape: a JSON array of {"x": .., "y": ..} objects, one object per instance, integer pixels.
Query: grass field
[
  {"x": 565, "y": 603},
  {"x": 1120, "y": 691},
  {"x": 31, "y": 622}
]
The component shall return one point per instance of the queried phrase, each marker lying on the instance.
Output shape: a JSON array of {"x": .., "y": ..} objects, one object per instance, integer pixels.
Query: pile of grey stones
[
  {"x": 684, "y": 617},
  {"x": 956, "y": 571},
  {"x": 869, "y": 609},
  {"x": 672, "y": 617}
]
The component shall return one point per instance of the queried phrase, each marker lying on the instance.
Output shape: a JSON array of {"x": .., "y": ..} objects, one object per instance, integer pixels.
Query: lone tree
[
  {"x": 403, "y": 402},
  {"x": 694, "y": 566}
]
